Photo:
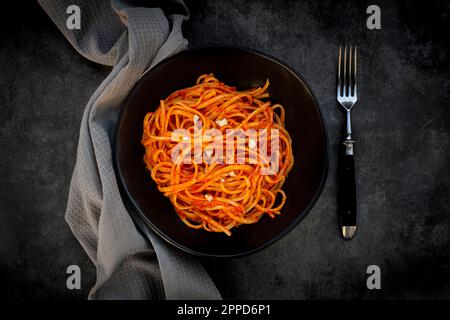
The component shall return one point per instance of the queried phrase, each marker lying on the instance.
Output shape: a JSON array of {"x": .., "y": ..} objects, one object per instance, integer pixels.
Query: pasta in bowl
[
  {"x": 220, "y": 155},
  {"x": 208, "y": 165}
]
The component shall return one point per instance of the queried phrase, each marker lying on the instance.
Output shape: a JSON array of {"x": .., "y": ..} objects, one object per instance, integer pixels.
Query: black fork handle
[{"x": 347, "y": 192}]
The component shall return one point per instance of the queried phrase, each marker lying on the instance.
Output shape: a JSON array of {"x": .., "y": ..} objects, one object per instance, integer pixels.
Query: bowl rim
[{"x": 146, "y": 221}]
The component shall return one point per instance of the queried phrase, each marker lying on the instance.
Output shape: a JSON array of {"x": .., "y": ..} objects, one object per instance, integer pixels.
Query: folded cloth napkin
[{"x": 131, "y": 36}]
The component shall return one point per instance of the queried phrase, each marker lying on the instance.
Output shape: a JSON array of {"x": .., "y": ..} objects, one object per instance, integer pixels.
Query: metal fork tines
[
  {"x": 347, "y": 89},
  {"x": 347, "y": 95}
]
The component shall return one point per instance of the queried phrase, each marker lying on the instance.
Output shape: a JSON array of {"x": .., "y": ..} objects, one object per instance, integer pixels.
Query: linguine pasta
[{"x": 210, "y": 190}]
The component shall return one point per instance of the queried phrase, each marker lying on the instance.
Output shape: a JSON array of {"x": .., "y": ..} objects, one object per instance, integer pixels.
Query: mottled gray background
[{"x": 401, "y": 127}]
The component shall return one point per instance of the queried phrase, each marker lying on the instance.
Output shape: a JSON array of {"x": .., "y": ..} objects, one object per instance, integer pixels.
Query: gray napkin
[{"x": 131, "y": 36}]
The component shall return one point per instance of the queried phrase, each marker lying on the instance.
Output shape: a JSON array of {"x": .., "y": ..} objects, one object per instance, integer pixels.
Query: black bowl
[{"x": 243, "y": 68}]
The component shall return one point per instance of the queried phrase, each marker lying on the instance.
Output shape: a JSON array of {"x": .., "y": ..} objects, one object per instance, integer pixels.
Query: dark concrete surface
[{"x": 401, "y": 126}]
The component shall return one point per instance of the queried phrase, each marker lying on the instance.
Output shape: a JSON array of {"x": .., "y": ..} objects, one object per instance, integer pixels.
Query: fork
[{"x": 347, "y": 95}]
